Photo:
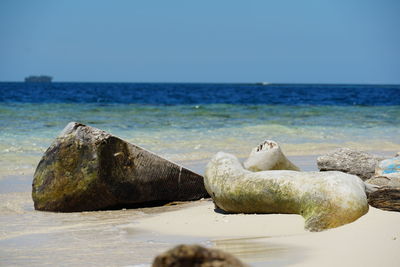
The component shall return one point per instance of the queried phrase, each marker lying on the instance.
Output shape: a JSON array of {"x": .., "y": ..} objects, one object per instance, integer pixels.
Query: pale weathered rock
[
  {"x": 385, "y": 198},
  {"x": 89, "y": 169},
  {"x": 268, "y": 156},
  {"x": 388, "y": 180},
  {"x": 324, "y": 199},
  {"x": 196, "y": 256},
  {"x": 349, "y": 161}
]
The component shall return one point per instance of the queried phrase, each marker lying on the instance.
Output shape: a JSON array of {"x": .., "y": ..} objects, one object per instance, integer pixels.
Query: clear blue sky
[{"x": 320, "y": 41}]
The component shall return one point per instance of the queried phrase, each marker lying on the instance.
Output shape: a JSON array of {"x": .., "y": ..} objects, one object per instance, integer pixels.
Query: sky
[{"x": 282, "y": 41}]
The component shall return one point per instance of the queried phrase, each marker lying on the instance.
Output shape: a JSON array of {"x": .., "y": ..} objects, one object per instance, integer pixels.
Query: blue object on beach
[{"x": 390, "y": 165}]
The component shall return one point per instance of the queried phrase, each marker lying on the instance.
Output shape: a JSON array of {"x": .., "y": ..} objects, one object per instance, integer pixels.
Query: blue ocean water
[
  {"x": 207, "y": 93},
  {"x": 189, "y": 122}
]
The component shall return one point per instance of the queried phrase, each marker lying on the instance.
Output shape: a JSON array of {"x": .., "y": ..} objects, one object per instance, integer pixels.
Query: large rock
[
  {"x": 89, "y": 169},
  {"x": 324, "y": 199},
  {"x": 196, "y": 256},
  {"x": 349, "y": 161}
]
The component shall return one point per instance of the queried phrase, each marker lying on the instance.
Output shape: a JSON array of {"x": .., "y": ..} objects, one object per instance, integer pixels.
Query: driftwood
[{"x": 385, "y": 198}]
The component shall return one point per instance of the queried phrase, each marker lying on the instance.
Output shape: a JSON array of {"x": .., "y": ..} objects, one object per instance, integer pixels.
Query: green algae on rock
[
  {"x": 89, "y": 169},
  {"x": 325, "y": 199}
]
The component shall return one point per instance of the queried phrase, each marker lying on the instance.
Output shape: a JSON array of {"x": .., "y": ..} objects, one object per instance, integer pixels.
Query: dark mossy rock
[
  {"x": 349, "y": 161},
  {"x": 196, "y": 256},
  {"x": 89, "y": 169}
]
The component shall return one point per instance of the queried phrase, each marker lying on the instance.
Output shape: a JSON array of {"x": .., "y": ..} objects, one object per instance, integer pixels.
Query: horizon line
[
  {"x": 260, "y": 83},
  {"x": 263, "y": 83}
]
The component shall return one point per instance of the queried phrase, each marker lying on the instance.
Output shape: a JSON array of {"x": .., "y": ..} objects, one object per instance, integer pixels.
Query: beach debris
[
  {"x": 325, "y": 199},
  {"x": 268, "y": 156},
  {"x": 196, "y": 256},
  {"x": 388, "y": 167},
  {"x": 385, "y": 198},
  {"x": 387, "y": 178},
  {"x": 387, "y": 173},
  {"x": 349, "y": 161},
  {"x": 89, "y": 169}
]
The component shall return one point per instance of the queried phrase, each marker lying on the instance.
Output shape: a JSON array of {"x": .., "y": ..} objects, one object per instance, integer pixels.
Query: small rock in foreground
[
  {"x": 89, "y": 169},
  {"x": 196, "y": 256},
  {"x": 349, "y": 161}
]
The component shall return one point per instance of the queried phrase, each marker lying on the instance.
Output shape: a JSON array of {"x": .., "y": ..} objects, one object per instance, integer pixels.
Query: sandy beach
[{"x": 277, "y": 240}]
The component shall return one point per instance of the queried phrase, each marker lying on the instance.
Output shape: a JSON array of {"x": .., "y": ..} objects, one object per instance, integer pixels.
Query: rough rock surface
[
  {"x": 196, "y": 256},
  {"x": 349, "y": 161},
  {"x": 89, "y": 169},
  {"x": 385, "y": 198},
  {"x": 388, "y": 180},
  {"x": 324, "y": 199}
]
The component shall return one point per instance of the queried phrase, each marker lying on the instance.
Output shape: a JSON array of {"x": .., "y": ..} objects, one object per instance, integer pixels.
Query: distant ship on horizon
[
  {"x": 263, "y": 83},
  {"x": 38, "y": 79}
]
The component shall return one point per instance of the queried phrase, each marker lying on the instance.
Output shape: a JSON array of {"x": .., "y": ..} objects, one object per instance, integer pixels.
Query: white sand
[{"x": 270, "y": 240}]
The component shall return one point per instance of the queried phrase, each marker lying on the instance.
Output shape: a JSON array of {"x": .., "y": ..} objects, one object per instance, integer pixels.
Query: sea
[{"x": 183, "y": 122}]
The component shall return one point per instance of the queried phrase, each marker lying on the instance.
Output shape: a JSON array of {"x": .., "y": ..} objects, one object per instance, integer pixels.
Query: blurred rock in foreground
[{"x": 196, "y": 256}]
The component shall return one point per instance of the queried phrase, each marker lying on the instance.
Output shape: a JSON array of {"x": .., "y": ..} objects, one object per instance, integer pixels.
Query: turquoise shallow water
[{"x": 195, "y": 132}]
